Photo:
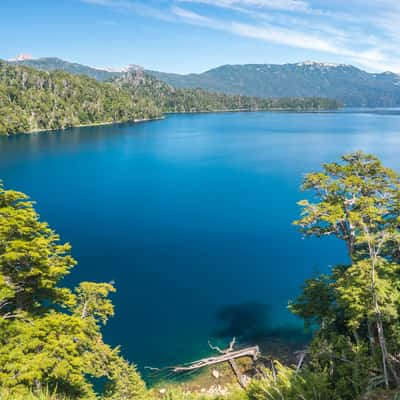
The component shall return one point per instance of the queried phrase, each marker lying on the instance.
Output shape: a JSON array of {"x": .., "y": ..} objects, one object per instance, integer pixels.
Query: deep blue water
[{"x": 191, "y": 216}]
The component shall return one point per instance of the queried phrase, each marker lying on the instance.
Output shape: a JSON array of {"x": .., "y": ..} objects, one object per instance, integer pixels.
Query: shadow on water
[
  {"x": 251, "y": 323},
  {"x": 245, "y": 321}
]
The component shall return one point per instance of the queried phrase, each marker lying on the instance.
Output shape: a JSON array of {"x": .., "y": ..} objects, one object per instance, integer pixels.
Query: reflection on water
[{"x": 192, "y": 218}]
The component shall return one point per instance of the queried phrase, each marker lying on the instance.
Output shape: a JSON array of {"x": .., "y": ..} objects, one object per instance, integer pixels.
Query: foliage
[
  {"x": 356, "y": 306},
  {"x": 43, "y": 394},
  {"x": 51, "y": 344},
  {"x": 170, "y": 99},
  {"x": 36, "y": 100},
  {"x": 50, "y": 336},
  {"x": 285, "y": 383}
]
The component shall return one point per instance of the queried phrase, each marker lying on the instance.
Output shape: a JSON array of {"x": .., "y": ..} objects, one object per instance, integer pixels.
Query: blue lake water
[{"x": 191, "y": 217}]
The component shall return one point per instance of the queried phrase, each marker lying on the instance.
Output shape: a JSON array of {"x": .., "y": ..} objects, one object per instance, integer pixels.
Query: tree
[
  {"x": 50, "y": 336},
  {"x": 358, "y": 201}
]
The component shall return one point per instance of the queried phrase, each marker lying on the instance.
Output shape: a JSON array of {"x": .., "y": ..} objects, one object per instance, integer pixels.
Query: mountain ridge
[
  {"x": 33, "y": 100},
  {"x": 58, "y": 64},
  {"x": 344, "y": 83}
]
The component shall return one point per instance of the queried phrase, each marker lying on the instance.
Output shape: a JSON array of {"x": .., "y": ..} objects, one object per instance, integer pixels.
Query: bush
[{"x": 286, "y": 384}]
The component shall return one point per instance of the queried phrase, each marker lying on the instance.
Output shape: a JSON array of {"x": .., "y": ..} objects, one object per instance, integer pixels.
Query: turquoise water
[{"x": 191, "y": 217}]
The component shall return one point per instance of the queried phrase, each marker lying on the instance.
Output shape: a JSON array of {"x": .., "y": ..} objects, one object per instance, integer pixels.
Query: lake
[{"x": 191, "y": 216}]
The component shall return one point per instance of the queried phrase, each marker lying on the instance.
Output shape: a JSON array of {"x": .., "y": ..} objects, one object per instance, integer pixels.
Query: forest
[
  {"x": 51, "y": 343},
  {"x": 33, "y": 100},
  {"x": 171, "y": 100}
]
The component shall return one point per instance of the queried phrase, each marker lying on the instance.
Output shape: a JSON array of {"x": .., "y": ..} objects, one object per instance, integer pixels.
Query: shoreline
[
  {"x": 135, "y": 121},
  {"x": 289, "y": 110},
  {"x": 166, "y": 113}
]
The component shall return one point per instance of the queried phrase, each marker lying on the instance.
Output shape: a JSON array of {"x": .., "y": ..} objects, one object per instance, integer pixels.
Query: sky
[{"x": 186, "y": 36}]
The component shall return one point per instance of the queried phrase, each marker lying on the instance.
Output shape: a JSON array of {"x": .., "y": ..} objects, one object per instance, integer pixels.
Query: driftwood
[
  {"x": 204, "y": 362},
  {"x": 301, "y": 356},
  {"x": 227, "y": 355}
]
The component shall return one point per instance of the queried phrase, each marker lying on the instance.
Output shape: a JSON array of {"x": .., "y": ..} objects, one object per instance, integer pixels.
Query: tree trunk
[
  {"x": 379, "y": 322},
  {"x": 371, "y": 338},
  {"x": 382, "y": 344},
  {"x": 379, "y": 325},
  {"x": 356, "y": 337},
  {"x": 237, "y": 373}
]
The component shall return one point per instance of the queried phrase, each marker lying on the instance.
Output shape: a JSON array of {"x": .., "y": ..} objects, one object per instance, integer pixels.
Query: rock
[
  {"x": 163, "y": 391},
  {"x": 215, "y": 373},
  {"x": 245, "y": 380},
  {"x": 211, "y": 390}
]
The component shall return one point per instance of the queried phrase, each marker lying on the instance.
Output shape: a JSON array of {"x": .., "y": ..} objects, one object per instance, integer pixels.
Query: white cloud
[
  {"x": 192, "y": 17},
  {"x": 288, "y": 5},
  {"x": 107, "y": 23},
  {"x": 363, "y": 32},
  {"x": 284, "y": 36},
  {"x": 133, "y": 7},
  {"x": 368, "y": 39},
  {"x": 371, "y": 58}
]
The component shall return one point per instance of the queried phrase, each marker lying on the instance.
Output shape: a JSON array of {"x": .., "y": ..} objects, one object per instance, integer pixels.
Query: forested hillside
[
  {"x": 36, "y": 100},
  {"x": 33, "y": 100},
  {"x": 57, "y": 64},
  {"x": 170, "y": 99},
  {"x": 347, "y": 84}
]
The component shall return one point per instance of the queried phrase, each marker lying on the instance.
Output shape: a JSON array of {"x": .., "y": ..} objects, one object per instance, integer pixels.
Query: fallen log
[
  {"x": 253, "y": 352},
  {"x": 228, "y": 355}
]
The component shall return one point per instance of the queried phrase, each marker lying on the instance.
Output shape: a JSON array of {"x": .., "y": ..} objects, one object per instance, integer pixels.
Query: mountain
[
  {"x": 345, "y": 83},
  {"x": 32, "y": 100},
  {"x": 54, "y": 63},
  {"x": 170, "y": 99}
]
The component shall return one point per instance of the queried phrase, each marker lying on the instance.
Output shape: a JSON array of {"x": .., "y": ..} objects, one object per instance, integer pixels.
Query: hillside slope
[
  {"x": 345, "y": 83},
  {"x": 170, "y": 99},
  {"x": 349, "y": 85},
  {"x": 32, "y": 100},
  {"x": 57, "y": 64}
]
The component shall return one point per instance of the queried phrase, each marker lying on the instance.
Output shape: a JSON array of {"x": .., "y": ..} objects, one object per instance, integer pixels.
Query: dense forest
[
  {"x": 169, "y": 99},
  {"x": 34, "y": 100},
  {"x": 51, "y": 344},
  {"x": 347, "y": 84}
]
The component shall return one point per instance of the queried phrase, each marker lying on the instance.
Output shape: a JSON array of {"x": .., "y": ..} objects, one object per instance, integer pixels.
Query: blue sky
[{"x": 196, "y": 35}]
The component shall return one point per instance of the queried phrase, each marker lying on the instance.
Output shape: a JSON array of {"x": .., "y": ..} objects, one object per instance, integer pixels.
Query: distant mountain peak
[
  {"x": 346, "y": 83},
  {"x": 130, "y": 67},
  {"x": 22, "y": 57},
  {"x": 135, "y": 67},
  {"x": 320, "y": 64}
]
